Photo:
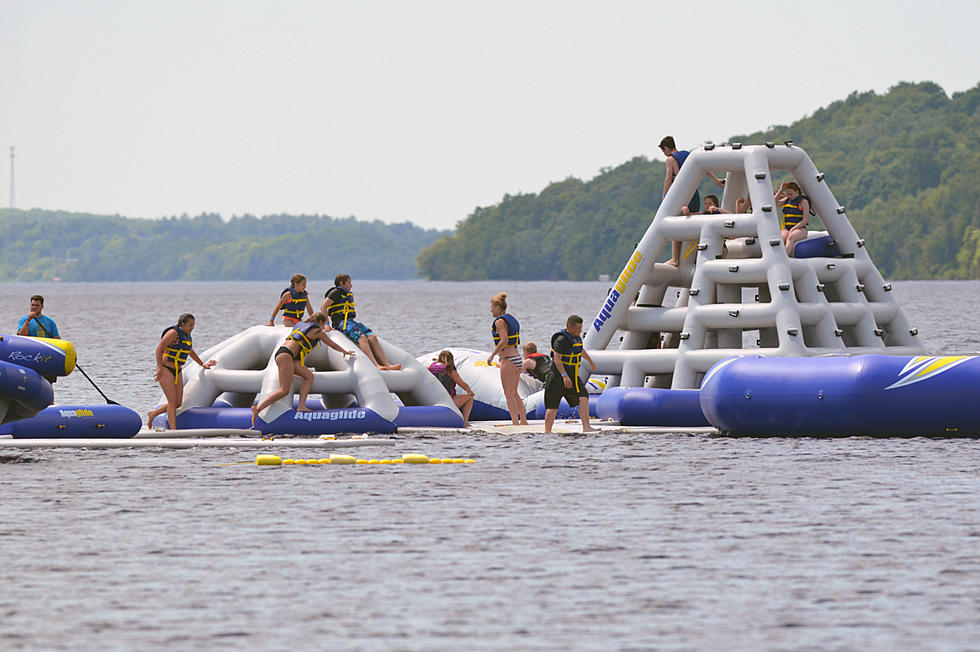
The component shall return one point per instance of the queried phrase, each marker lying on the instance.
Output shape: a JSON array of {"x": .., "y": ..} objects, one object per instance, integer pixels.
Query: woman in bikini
[
  {"x": 506, "y": 330},
  {"x": 291, "y": 357},
  {"x": 172, "y": 352}
]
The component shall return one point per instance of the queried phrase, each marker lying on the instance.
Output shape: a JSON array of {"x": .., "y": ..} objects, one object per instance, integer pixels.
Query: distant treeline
[
  {"x": 905, "y": 164},
  {"x": 41, "y": 245}
]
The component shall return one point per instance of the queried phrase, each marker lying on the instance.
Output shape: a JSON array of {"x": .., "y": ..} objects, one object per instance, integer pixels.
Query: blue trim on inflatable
[
  {"x": 27, "y": 391},
  {"x": 77, "y": 422},
  {"x": 565, "y": 411},
  {"x": 824, "y": 247},
  {"x": 648, "y": 406},
  {"x": 316, "y": 422},
  {"x": 485, "y": 412},
  {"x": 842, "y": 396},
  {"x": 421, "y": 416}
]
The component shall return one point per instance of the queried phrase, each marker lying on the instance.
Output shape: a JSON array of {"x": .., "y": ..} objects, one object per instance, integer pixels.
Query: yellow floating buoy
[
  {"x": 397, "y": 461},
  {"x": 435, "y": 460},
  {"x": 268, "y": 460},
  {"x": 313, "y": 461},
  {"x": 288, "y": 461},
  {"x": 324, "y": 460},
  {"x": 362, "y": 461},
  {"x": 469, "y": 461},
  {"x": 342, "y": 459},
  {"x": 384, "y": 461},
  {"x": 459, "y": 460},
  {"x": 374, "y": 461},
  {"x": 415, "y": 458}
]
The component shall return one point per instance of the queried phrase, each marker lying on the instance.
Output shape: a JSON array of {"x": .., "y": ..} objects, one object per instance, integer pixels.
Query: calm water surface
[{"x": 614, "y": 541}]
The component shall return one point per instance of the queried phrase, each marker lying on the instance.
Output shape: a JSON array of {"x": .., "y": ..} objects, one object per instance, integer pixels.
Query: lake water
[{"x": 615, "y": 541}]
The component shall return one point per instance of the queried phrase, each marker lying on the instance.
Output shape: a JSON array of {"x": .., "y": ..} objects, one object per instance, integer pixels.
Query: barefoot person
[
  {"x": 172, "y": 352},
  {"x": 293, "y": 302},
  {"x": 506, "y": 332},
  {"x": 796, "y": 214},
  {"x": 339, "y": 304},
  {"x": 563, "y": 379},
  {"x": 444, "y": 368},
  {"x": 291, "y": 357}
]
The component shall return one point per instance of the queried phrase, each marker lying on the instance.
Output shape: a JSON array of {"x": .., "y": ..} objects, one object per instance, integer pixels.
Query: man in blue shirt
[{"x": 34, "y": 324}]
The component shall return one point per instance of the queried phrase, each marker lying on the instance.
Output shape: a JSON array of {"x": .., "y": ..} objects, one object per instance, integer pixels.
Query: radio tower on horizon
[{"x": 12, "y": 195}]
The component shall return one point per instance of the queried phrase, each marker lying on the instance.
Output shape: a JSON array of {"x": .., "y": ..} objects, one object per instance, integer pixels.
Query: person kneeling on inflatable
[{"x": 563, "y": 379}]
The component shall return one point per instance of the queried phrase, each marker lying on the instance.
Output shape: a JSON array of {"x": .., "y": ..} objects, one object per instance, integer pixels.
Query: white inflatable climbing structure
[{"x": 829, "y": 298}]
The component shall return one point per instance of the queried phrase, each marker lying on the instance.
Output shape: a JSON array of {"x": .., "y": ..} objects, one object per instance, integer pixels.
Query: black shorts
[
  {"x": 284, "y": 349},
  {"x": 554, "y": 389}
]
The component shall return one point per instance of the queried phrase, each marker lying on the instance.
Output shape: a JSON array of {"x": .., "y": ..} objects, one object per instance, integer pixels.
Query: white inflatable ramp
[{"x": 356, "y": 394}]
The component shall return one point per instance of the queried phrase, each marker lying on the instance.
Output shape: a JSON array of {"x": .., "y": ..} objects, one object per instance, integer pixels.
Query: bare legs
[
  {"x": 509, "y": 377},
  {"x": 375, "y": 352},
  {"x": 174, "y": 393},
  {"x": 791, "y": 237},
  {"x": 303, "y": 372},
  {"x": 287, "y": 367},
  {"x": 583, "y": 414},
  {"x": 465, "y": 404}
]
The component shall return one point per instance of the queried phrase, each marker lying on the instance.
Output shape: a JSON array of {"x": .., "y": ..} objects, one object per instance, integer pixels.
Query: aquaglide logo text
[{"x": 617, "y": 290}]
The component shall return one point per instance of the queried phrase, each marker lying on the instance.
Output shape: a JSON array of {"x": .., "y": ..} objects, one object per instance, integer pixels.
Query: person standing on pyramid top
[{"x": 674, "y": 162}]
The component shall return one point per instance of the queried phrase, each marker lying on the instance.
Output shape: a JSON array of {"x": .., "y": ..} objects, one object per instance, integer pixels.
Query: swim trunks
[{"x": 354, "y": 330}]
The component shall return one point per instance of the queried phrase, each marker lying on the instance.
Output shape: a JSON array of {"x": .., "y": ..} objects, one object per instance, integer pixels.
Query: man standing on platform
[{"x": 563, "y": 379}]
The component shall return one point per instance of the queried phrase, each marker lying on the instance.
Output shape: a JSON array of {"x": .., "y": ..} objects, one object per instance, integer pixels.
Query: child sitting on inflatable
[
  {"x": 444, "y": 368},
  {"x": 339, "y": 304}
]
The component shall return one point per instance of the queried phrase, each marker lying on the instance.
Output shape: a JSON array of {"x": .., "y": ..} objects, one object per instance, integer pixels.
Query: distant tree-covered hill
[
  {"x": 906, "y": 164},
  {"x": 40, "y": 245}
]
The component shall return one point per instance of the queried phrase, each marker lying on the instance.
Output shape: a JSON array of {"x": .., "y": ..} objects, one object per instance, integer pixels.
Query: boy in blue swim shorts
[{"x": 338, "y": 303}]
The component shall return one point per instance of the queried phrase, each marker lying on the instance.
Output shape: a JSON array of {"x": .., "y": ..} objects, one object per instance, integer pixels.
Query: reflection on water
[{"x": 602, "y": 542}]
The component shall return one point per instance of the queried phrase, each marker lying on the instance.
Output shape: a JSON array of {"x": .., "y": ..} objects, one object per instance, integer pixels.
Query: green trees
[
  {"x": 906, "y": 165},
  {"x": 40, "y": 245}
]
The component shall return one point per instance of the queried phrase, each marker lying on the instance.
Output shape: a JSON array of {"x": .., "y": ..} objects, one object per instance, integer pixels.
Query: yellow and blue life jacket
[
  {"x": 342, "y": 308},
  {"x": 296, "y": 306},
  {"x": 792, "y": 213},
  {"x": 513, "y": 330},
  {"x": 178, "y": 351},
  {"x": 573, "y": 358},
  {"x": 300, "y": 334}
]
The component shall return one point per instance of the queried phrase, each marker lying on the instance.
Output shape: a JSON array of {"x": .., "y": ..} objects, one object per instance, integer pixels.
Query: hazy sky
[{"x": 419, "y": 110}]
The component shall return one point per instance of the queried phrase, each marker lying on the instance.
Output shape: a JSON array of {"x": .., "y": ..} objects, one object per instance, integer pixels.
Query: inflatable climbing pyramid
[{"x": 829, "y": 298}]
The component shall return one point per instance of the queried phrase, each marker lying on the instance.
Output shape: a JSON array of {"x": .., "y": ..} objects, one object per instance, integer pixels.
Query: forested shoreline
[
  {"x": 44, "y": 245},
  {"x": 906, "y": 164}
]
